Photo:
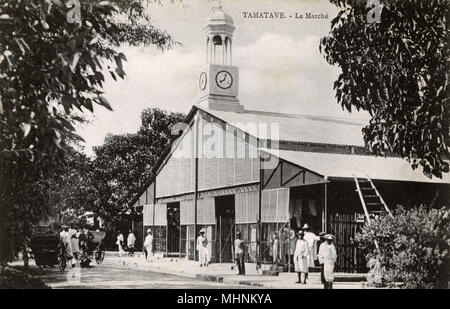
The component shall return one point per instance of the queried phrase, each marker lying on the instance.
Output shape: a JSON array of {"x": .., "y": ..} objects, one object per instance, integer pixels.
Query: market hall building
[{"x": 261, "y": 172}]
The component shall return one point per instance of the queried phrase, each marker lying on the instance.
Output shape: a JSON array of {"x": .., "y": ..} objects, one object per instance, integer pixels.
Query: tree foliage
[
  {"x": 398, "y": 71},
  {"x": 69, "y": 189},
  {"x": 51, "y": 67},
  {"x": 51, "y": 73},
  {"x": 124, "y": 163},
  {"x": 414, "y": 246}
]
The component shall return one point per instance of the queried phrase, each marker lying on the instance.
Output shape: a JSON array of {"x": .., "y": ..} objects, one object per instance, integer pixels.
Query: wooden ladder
[{"x": 371, "y": 200}]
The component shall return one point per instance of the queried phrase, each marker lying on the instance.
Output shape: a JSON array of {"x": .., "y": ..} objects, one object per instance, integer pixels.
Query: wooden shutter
[
  {"x": 275, "y": 205},
  {"x": 247, "y": 207},
  {"x": 147, "y": 213},
  {"x": 161, "y": 214},
  {"x": 187, "y": 212},
  {"x": 206, "y": 212}
]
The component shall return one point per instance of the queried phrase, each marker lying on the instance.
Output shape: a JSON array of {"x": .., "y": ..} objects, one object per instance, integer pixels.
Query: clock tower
[{"x": 219, "y": 80}]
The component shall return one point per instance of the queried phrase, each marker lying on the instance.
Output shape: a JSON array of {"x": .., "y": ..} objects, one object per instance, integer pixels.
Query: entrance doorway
[
  {"x": 173, "y": 229},
  {"x": 225, "y": 209}
]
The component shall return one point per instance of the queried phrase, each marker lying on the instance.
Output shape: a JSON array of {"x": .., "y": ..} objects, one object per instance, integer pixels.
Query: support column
[
  {"x": 224, "y": 49},
  {"x": 261, "y": 181},
  {"x": 325, "y": 207},
  {"x": 207, "y": 50},
  {"x": 231, "y": 52},
  {"x": 196, "y": 145}
]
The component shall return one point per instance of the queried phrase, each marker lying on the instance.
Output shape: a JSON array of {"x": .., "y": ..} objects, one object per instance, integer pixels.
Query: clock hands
[{"x": 223, "y": 78}]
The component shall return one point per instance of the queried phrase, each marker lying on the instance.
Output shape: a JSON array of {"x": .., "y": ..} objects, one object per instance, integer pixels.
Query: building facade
[{"x": 262, "y": 173}]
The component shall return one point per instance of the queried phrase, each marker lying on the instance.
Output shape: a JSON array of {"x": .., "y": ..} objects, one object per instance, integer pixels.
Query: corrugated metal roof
[
  {"x": 345, "y": 165},
  {"x": 296, "y": 128}
]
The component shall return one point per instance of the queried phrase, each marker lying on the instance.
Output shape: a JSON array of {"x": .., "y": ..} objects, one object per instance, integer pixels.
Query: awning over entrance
[{"x": 345, "y": 165}]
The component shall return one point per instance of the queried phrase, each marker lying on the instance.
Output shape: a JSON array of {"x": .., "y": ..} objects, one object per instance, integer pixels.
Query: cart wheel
[
  {"x": 62, "y": 264},
  {"x": 99, "y": 257}
]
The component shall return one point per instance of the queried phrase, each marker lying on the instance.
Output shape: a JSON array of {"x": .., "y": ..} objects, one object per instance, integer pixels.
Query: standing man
[
  {"x": 301, "y": 258},
  {"x": 292, "y": 243},
  {"x": 65, "y": 238},
  {"x": 119, "y": 243},
  {"x": 75, "y": 247},
  {"x": 131, "y": 240},
  {"x": 311, "y": 239},
  {"x": 327, "y": 257},
  {"x": 275, "y": 248},
  {"x": 148, "y": 245},
  {"x": 322, "y": 240},
  {"x": 239, "y": 252},
  {"x": 202, "y": 248}
]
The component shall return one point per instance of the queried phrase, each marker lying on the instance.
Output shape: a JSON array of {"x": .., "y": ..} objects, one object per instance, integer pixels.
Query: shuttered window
[
  {"x": 161, "y": 214},
  {"x": 147, "y": 213},
  {"x": 206, "y": 213},
  {"x": 275, "y": 205},
  {"x": 187, "y": 212},
  {"x": 247, "y": 207}
]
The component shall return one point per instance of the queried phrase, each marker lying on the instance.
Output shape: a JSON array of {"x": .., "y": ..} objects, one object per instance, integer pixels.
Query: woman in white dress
[
  {"x": 148, "y": 245},
  {"x": 301, "y": 258},
  {"x": 119, "y": 243},
  {"x": 327, "y": 257}
]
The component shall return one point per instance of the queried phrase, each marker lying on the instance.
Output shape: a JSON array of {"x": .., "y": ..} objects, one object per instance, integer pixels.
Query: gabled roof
[
  {"x": 345, "y": 165},
  {"x": 296, "y": 128}
]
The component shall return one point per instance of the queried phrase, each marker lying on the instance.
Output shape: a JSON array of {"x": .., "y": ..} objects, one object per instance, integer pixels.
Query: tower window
[{"x": 217, "y": 40}]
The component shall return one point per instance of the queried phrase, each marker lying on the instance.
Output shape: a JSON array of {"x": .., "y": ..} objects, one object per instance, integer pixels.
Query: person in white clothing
[
  {"x": 301, "y": 258},
  {"x": 65, "y": 238},
  {"x": 131, "y": 240},
  {"x": 311, "y": 239},
  {"x": 328, "y": 257},
  {"x": 202, "y": 248},
  {"x": 148, "y": 245},
  {"x": 119, "y": 243},
  {"x": 74, "y": 246}
]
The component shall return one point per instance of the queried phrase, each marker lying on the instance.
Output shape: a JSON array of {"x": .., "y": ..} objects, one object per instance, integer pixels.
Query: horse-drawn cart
[
  {"x": 48, "y": 250},
  {"x": 98, "y": 246}
]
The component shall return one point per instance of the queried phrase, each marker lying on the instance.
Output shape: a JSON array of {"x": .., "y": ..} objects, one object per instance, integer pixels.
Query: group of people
[
  {"x": 77, "y": 245},
  {"x": 130, "y": 245},
  {"x": 131, "y": 241},
  {"x": 305, "y": 253}
]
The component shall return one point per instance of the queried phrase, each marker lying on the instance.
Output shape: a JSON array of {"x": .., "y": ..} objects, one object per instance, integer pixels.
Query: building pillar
[
  {"x": 196, "y": 152},
  {"x": 325, "y": 207}
]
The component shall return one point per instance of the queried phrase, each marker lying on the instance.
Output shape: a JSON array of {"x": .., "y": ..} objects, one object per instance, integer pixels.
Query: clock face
[
  {"x": 224, "y": 79},
  {"x": 202, "y": 81}
]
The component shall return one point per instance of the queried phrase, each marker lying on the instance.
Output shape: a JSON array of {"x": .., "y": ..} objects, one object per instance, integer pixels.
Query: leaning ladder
[{"x": 371, "y": 200}]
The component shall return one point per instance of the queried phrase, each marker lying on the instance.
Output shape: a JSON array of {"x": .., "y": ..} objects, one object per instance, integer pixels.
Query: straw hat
[
  {"x": 329, "y": 237},
  {"x": 305, "y": 226}
]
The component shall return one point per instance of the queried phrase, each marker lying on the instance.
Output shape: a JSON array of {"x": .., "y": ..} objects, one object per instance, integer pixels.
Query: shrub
[{"x": 413, "y": 246}]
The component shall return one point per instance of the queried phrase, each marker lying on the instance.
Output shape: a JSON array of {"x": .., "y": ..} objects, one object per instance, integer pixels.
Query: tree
[
  {"x": 124, "y": 164},
  {"x": 397, "y": 70},
  {"x": 52, "y": 68},
  {"x": 414, "y": 246},
  {"x": 69, "y": 189}
]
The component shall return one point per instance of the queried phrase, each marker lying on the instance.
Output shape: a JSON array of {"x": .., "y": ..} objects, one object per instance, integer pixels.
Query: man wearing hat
[
  {"x": 239, "y": 252},
  {"x": 327, "y": 257},
  {"x": 322, "y": 240},
  {"x": 311, "y": 239},
  {"x": 301, "y": 258},
  {"x": 202, "y": 248},
  {"x": 148, "y": 245}
]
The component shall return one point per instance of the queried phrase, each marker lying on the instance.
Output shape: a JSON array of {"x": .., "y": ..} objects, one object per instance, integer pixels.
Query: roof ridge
[{"x": 314, "y": 117}]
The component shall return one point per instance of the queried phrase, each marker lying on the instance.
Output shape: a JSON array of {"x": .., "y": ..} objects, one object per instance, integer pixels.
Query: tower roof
[
  {"x": 218, "y": 16},
  {"x": 219, "y": 22}
]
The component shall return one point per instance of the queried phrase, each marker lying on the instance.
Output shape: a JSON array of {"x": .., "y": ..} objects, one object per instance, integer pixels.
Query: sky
[{"x": 280, "y": 66}]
